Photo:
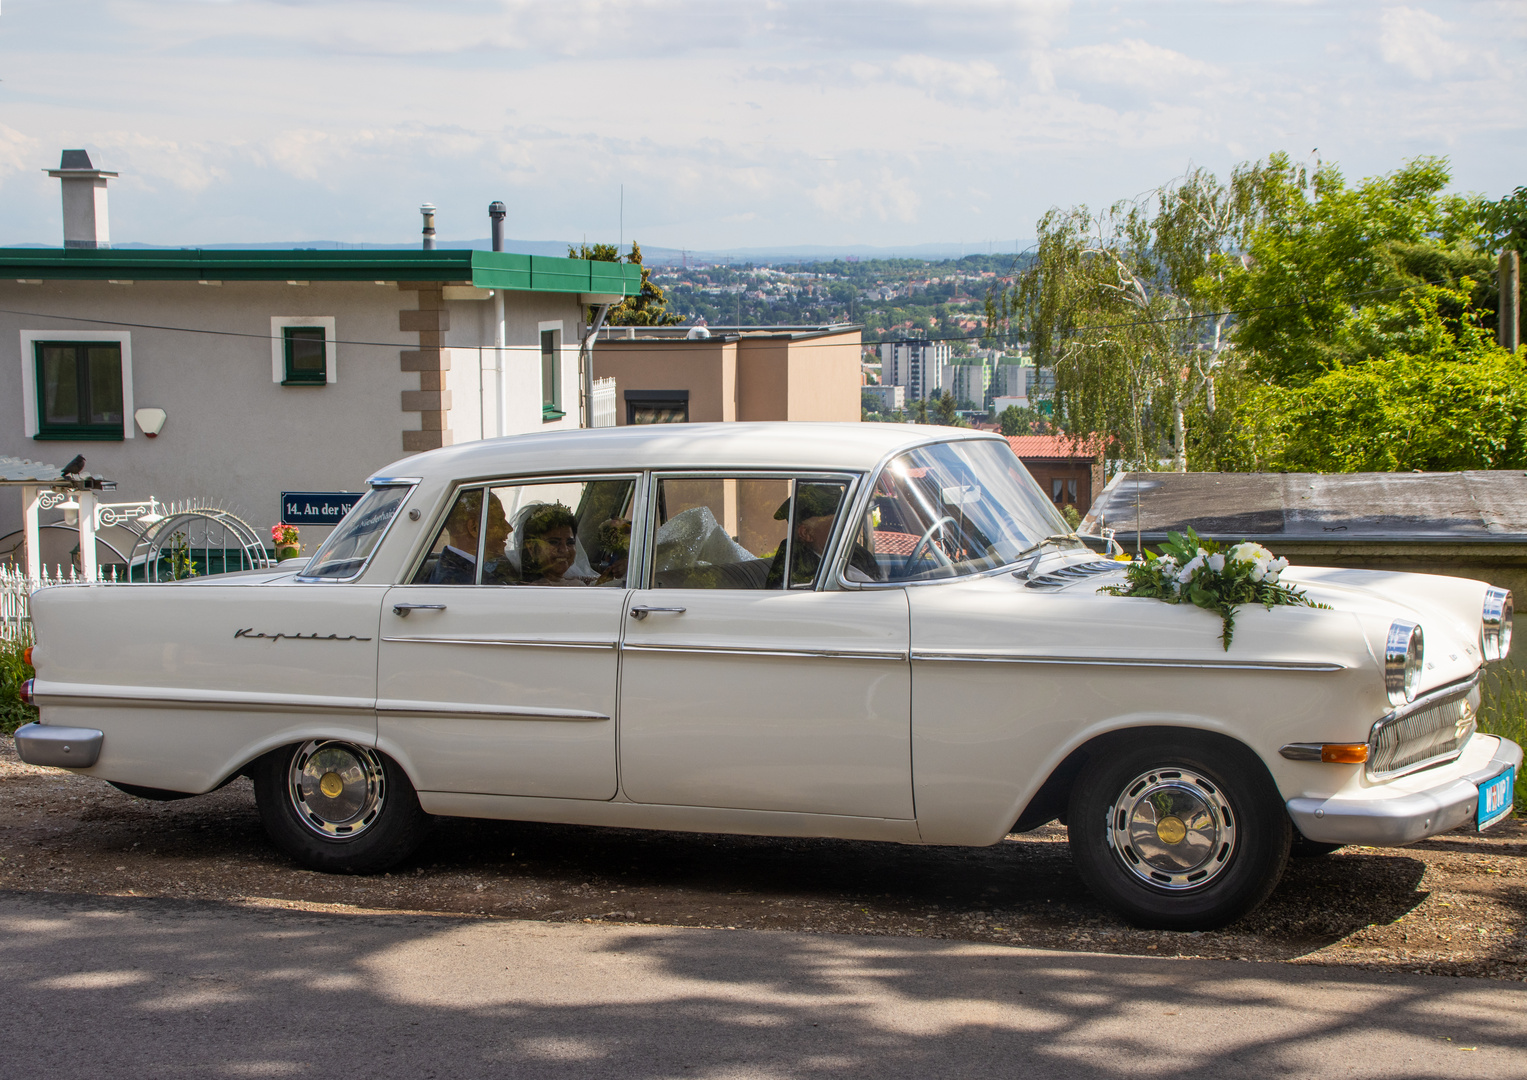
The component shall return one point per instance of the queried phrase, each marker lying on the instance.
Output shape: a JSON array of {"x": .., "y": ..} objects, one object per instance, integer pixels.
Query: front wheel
[
  {"x": 1178, "y": 831},
  {"x": 338, "y": 807}
]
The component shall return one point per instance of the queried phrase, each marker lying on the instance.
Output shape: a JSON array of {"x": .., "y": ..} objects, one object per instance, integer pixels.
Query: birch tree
[{"x": 1126, "y": 307}]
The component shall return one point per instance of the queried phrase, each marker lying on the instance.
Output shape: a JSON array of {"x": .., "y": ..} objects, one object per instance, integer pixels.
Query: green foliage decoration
[
  {"x": 14, "y": 671},
  {"x": 1192, "y": 570},
  {"x": 649, "y": 307}
]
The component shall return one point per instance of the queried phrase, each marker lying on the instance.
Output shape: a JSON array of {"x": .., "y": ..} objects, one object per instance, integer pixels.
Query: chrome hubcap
[
  {"x": 1172, "y": 828},
  {"x": 336, "y": 788}
]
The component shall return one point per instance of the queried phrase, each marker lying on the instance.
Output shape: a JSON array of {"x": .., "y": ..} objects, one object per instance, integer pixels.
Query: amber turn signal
[
  {"x": 1344, "y": 753},
  {"x": 26, "y": 655}
]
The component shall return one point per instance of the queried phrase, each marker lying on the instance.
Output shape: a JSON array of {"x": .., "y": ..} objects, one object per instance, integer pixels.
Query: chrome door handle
[
  {"x": 402, "y": 610},
  {"x": 641, "y": 611}
]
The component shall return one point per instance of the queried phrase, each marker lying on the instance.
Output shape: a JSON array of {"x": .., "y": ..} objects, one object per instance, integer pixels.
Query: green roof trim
[{"x": 484, "y": 269}]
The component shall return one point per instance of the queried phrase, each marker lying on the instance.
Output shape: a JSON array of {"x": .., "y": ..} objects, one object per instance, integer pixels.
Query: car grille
[{"x": 1427, "y": 733}]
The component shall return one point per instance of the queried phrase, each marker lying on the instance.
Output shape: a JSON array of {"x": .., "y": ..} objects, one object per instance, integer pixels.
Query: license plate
[{"x": 1495, "y": 797}]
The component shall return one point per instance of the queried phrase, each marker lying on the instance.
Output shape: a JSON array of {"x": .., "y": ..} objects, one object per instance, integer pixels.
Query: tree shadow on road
[{"x": 112, "y": 986}]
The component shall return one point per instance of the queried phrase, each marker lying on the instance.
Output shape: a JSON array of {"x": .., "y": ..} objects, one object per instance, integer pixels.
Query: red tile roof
[{"x": 1053, "y": 446}]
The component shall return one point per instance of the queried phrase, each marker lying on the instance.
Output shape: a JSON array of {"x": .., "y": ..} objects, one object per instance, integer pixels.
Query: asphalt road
[{"x": 106, "y": 986}]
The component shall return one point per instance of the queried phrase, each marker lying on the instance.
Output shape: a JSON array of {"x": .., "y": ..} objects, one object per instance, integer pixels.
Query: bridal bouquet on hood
[{"x": 1192, "y": 570}]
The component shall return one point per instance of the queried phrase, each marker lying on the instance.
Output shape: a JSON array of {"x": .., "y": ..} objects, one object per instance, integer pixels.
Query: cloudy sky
[{"x": 730, "y": 124}]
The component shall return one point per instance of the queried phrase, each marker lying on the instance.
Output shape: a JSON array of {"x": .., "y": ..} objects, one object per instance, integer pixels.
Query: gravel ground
[{"x": 1454, "y": 905}]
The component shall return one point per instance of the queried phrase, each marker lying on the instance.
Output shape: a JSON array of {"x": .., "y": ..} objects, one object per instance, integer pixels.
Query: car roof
[{"x": 780, "y": 445}]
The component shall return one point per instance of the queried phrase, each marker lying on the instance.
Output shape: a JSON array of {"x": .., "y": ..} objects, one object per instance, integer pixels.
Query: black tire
[
  {"x": 338, "y": 807},
  {"x": 1178, "y": 830},
  {"x": 1303, "y": 848}
]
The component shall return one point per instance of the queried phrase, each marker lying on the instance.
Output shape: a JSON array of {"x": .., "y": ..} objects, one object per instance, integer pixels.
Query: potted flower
[{"x": 284, "y": 538}]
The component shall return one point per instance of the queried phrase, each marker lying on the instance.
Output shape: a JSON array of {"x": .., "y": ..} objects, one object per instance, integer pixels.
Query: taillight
[{"x": 26, "y": 692}]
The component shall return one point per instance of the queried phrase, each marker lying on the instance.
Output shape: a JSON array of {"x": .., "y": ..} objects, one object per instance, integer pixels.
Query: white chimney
[{"x": 85, "y": 221}]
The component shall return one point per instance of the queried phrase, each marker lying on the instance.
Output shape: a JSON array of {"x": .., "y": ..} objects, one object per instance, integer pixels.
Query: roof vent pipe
[
  {"x": 498, "y": 211},
  {"x": 84, "y": 186},
  {"x": 428, "y": 210}
]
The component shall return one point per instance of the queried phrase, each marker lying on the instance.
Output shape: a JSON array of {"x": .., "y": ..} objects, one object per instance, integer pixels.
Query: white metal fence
[
  {"x": 16, "y": 590},
  {"x": 604, "y": 403}
]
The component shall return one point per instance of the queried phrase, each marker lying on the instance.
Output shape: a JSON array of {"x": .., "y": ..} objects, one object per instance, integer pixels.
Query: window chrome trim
[
  {"x": 390, "y": 481},
  {"x": 395, "y": 707},
  {"x": 873, "y": 477},
  {"x": 526, "y": 643},
  {"x": 742, "y": 650},
  {"x": 432, "y": 528},
  {"x": 409, "y": 488},
  {"x": 975, "y": 656},
  {"x": 849, "y": 478}
]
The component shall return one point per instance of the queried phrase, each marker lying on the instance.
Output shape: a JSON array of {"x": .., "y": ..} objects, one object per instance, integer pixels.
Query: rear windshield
[{"x": 345, "y": 552}]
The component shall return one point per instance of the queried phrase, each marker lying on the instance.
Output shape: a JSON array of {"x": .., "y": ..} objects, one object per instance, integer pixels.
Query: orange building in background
[{"x": 666, "y": 375}]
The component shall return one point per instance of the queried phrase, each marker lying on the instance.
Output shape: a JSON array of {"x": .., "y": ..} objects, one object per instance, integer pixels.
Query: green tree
[
  {"x": 946, "y": 410},
  {"x": 1015, "y": 421},
  {"x": 1125, "y": 306},
  {"x": 917, "y": 410},
  {"x": 1441, "y": 397},
  {"x": 649, "y": 307},
  {"x": 1330, "y": 270}
]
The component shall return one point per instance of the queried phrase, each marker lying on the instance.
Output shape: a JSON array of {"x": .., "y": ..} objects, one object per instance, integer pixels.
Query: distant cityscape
[{"x": 892, "y": 298}]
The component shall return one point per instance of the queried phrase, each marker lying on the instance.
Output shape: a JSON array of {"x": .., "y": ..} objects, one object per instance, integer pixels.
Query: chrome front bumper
[
  {"x": 60, "y": 747},
  {"x": 1407, "y": 818}
]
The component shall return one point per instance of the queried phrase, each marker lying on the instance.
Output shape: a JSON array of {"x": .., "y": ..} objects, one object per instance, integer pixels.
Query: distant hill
[{"x": 653, "y": 255}]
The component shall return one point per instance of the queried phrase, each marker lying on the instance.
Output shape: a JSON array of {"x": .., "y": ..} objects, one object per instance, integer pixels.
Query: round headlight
[
  {"x": 1495, "y": 624},
  {"x": 1402, "y": 662}
]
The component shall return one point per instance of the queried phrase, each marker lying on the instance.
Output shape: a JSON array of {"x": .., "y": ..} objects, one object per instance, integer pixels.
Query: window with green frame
[
  {"x": 79, "y": 390},
  {"x": 306, "y": 356},
  {"x": 551, "y": 376}
]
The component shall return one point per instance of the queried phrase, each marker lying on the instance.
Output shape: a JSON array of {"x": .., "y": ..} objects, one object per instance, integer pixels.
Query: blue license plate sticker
[{"x": 1495, "y": 798}]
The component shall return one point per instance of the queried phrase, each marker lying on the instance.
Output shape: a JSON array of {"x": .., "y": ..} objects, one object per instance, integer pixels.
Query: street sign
[{"x": 316, "y": 507}]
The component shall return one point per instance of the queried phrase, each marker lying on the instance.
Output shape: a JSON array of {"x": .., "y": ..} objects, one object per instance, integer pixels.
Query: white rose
[
  {"x": 1257, "y": 573},
  {"x": 1249, "y": 552},
  {"x": 1216, "y": 563},
  {"x": 1271, "y": 577},
  {"x": 1280, "y": 564}
]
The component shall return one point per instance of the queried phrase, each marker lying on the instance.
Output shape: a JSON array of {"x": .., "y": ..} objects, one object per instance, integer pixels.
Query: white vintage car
[{"x": 876, "y": 632}]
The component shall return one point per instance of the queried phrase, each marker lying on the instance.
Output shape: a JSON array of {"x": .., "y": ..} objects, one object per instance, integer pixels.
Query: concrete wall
[
  {"x": 707, "y": 369},
  {"x": 775, "y": 377},
  {"x": 235, "y": 437},
  {"x": 825, "y": 377},
  {"x": 763, "y": 379}
]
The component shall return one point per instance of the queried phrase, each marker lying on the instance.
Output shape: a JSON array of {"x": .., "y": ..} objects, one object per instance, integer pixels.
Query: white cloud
[
  {"x": 1136, "y": 63},
  {"x": 728, "y": 123},
  {"x": 1418, "y": 42}
]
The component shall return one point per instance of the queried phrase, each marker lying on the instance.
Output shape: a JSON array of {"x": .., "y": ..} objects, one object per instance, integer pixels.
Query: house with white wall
[{"x": 230, "y": 376}]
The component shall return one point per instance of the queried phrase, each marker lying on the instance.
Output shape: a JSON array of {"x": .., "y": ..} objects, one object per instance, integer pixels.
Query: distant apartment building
[
  {"x": 1017, "y": 377},
  {"x": 886, "y": 399},
  {"x": 917, "y": 366},
  {"x": 969, "y": 380}
]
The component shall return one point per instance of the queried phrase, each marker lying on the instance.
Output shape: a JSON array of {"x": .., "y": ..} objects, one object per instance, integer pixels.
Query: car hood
[{"x": 1447, "y": 609}]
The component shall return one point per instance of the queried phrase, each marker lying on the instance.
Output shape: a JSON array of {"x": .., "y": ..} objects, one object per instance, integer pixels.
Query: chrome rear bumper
[
  {"x": 1406, "y": 819},
  {"x": 60, "y": 747}
]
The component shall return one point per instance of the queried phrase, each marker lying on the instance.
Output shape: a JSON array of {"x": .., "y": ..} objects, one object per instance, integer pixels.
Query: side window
[
  {"x": 79, "y": 390},
  {"x": 743, "y": 533},
  {"x": 546, "y": 533},
  {"x": 551, "y": 376},
  {"x": 305, "y": 356}
]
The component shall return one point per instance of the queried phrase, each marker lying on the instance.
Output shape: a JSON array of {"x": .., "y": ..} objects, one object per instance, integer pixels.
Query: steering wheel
[{"x": 926, "y": 546}]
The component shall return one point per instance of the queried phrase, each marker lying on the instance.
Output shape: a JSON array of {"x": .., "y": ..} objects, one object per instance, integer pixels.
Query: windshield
[
  {"x": 348, "y": 547},
  {"x": 949, "y": 510}
]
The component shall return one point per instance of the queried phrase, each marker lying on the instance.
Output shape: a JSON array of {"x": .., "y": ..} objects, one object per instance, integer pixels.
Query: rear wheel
[
  {"x": 1178, "y": 831},
  {"x": 338, "y": 807}
]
